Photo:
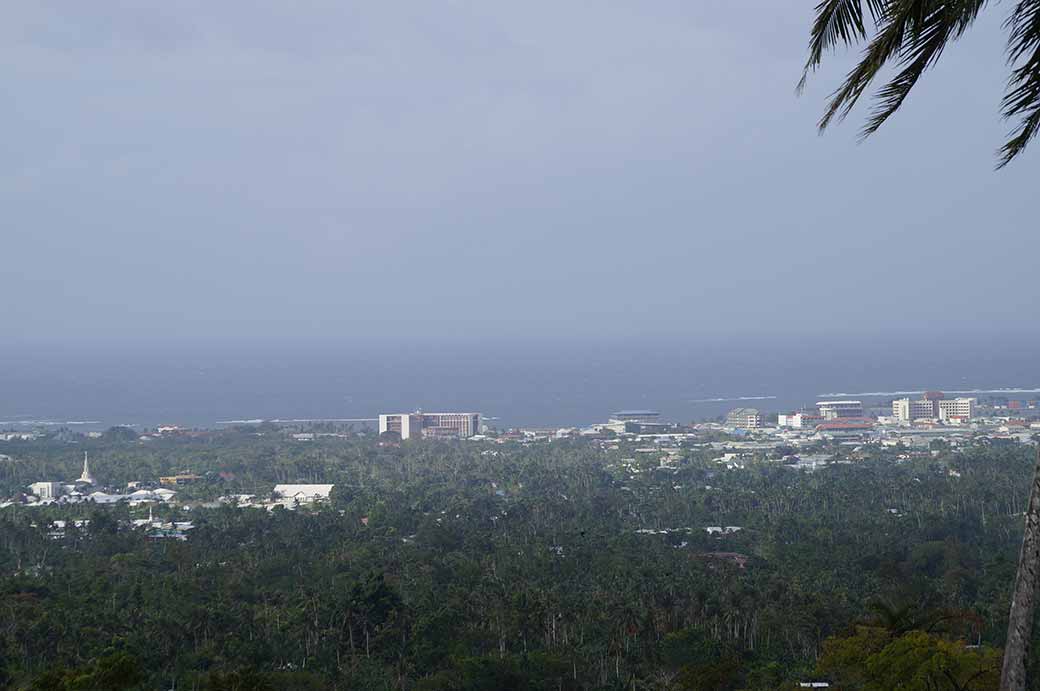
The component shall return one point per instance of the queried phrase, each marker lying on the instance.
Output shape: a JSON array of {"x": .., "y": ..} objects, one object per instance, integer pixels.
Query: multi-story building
[
  {"x": 744, "y": 418},
  {"x": 908, "y": 410},
  {"x": 800, "y": 420},
  {"x": 635, "y": 416},
  {"x": 406, "y": 425},
  {"x": 418, "y": 425},
  {"x": 959, "y": 409},
  {"x": 636, "y": 422},
  {"x": 459, "y": 425},
  {"x": 933, "y": 407},
  {"x": 833, "y": 410}
]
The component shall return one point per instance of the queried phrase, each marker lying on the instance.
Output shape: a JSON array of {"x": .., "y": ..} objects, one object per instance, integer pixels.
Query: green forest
[{"x": 479, "y": 565}]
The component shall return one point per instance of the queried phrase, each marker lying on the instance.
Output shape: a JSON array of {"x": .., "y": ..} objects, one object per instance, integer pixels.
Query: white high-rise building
[
  {"x": 957, "y": 408},
  {"x": 744, "y": 418},
  {"x": 933, "y": 407},
  {"x": 908, "y": 409},
  {"x": 407, "y": 425},
  {"x": 418, "y": 425}
]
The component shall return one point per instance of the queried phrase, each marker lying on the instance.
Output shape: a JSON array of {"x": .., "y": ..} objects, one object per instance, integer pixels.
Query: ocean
[{"x": 515, "y": 384}]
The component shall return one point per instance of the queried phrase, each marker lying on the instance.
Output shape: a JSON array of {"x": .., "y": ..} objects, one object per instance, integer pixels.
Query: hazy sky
[{"x": 196, "y": 170}]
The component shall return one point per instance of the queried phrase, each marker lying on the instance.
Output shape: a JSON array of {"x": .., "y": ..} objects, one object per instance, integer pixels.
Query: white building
[
  {"x": 961, "y": 409},
  {"x": 441, "y": 425},
  {"x": 934, "y": 407},
  {"x": 105, "y": 498},
  {"x": 407, "y": 425},
  {"x": 744, "y": 418},
  {"x": 304, "y": 494},
  {"x": 164, "y": 494},
  {"x": 799, "y": 420},
  {"x": 144, "y": 496},
  {"x": 833, "y": 410},
  {"x": 46, "y": 490},
  {"x": 908, "y": 410}
]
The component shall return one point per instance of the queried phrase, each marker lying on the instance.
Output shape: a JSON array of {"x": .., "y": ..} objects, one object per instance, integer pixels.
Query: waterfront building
[
  {"x": 959, "y": 409},
  {"x": 635, "y": 416},
  {"x": 637, "y": 422},
  {"x": 908, "y": 410},
  {"x": 800, "y": 420},
  {"x": 405, "y": 425},
  {"x": 834, "y": 410},
  {"x": 425, "y": 425},
  {"x": 934, "y": 406},
  {"x": 744, "y": 418}
]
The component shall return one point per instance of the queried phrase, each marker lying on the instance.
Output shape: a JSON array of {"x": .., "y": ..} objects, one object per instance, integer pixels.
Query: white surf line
[{"x": 912, "y": 391}]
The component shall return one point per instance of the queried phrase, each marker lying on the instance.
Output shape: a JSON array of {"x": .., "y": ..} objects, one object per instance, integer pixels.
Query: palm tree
[
  {"x": 1023, "y": 599},
  {"x": 911, "y": 35}
]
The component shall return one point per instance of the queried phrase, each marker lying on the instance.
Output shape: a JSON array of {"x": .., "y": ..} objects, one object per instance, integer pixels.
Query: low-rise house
[
  {"x": 105, "y": 498},
  {"x": 722, "y": 530},
  {"x": 303, "y": 492},
  {"x": 143, "y": 496},
  {"x": 289, "y": 496},
  {"x": 238, "y": 499}
]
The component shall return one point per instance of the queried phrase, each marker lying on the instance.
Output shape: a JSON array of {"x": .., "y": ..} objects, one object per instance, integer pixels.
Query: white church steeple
[{"x": 86, "y": 477}]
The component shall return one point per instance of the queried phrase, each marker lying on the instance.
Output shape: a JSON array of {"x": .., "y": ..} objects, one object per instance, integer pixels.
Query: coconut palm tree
[
  {"x": 911, "y": 35},
  {"x": 1023, "y": 599}
]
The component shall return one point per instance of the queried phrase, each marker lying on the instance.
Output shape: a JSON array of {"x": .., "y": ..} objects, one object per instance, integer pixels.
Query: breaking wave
[
  {"x": 957, "y": 391},
  {"x": 735, "y": 398}
]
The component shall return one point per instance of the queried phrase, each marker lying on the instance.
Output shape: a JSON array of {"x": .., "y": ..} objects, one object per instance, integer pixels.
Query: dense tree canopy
[{"x": 472, "y": 565}]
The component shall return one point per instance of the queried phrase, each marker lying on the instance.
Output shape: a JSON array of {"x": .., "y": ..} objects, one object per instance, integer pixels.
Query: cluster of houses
[
  {"x": 282, "y": 496},
  {"x": 288, "y": 497},
  {"x": 85, "y": 489},
  {"x": 157, "y": 529}
]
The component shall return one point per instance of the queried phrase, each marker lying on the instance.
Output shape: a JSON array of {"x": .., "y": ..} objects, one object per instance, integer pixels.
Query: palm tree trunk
[{"x": 1020, "y": 621}]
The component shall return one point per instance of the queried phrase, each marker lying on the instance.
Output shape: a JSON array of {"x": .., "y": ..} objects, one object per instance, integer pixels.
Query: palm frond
[
  {"x": 837, "y": 21},
  {"x": 1022, "y": 99},
  {"x": 914, "y": 32},
  {"x": 929, "y": 30},
  {"x": 885, "y": 45}
]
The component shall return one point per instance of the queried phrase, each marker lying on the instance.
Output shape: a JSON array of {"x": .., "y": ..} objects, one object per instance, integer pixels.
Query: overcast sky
[{"x": 328, "y": 170}]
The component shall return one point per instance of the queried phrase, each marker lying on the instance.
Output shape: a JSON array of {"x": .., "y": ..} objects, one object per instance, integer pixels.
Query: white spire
[{"x": 86, "y": 476}]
